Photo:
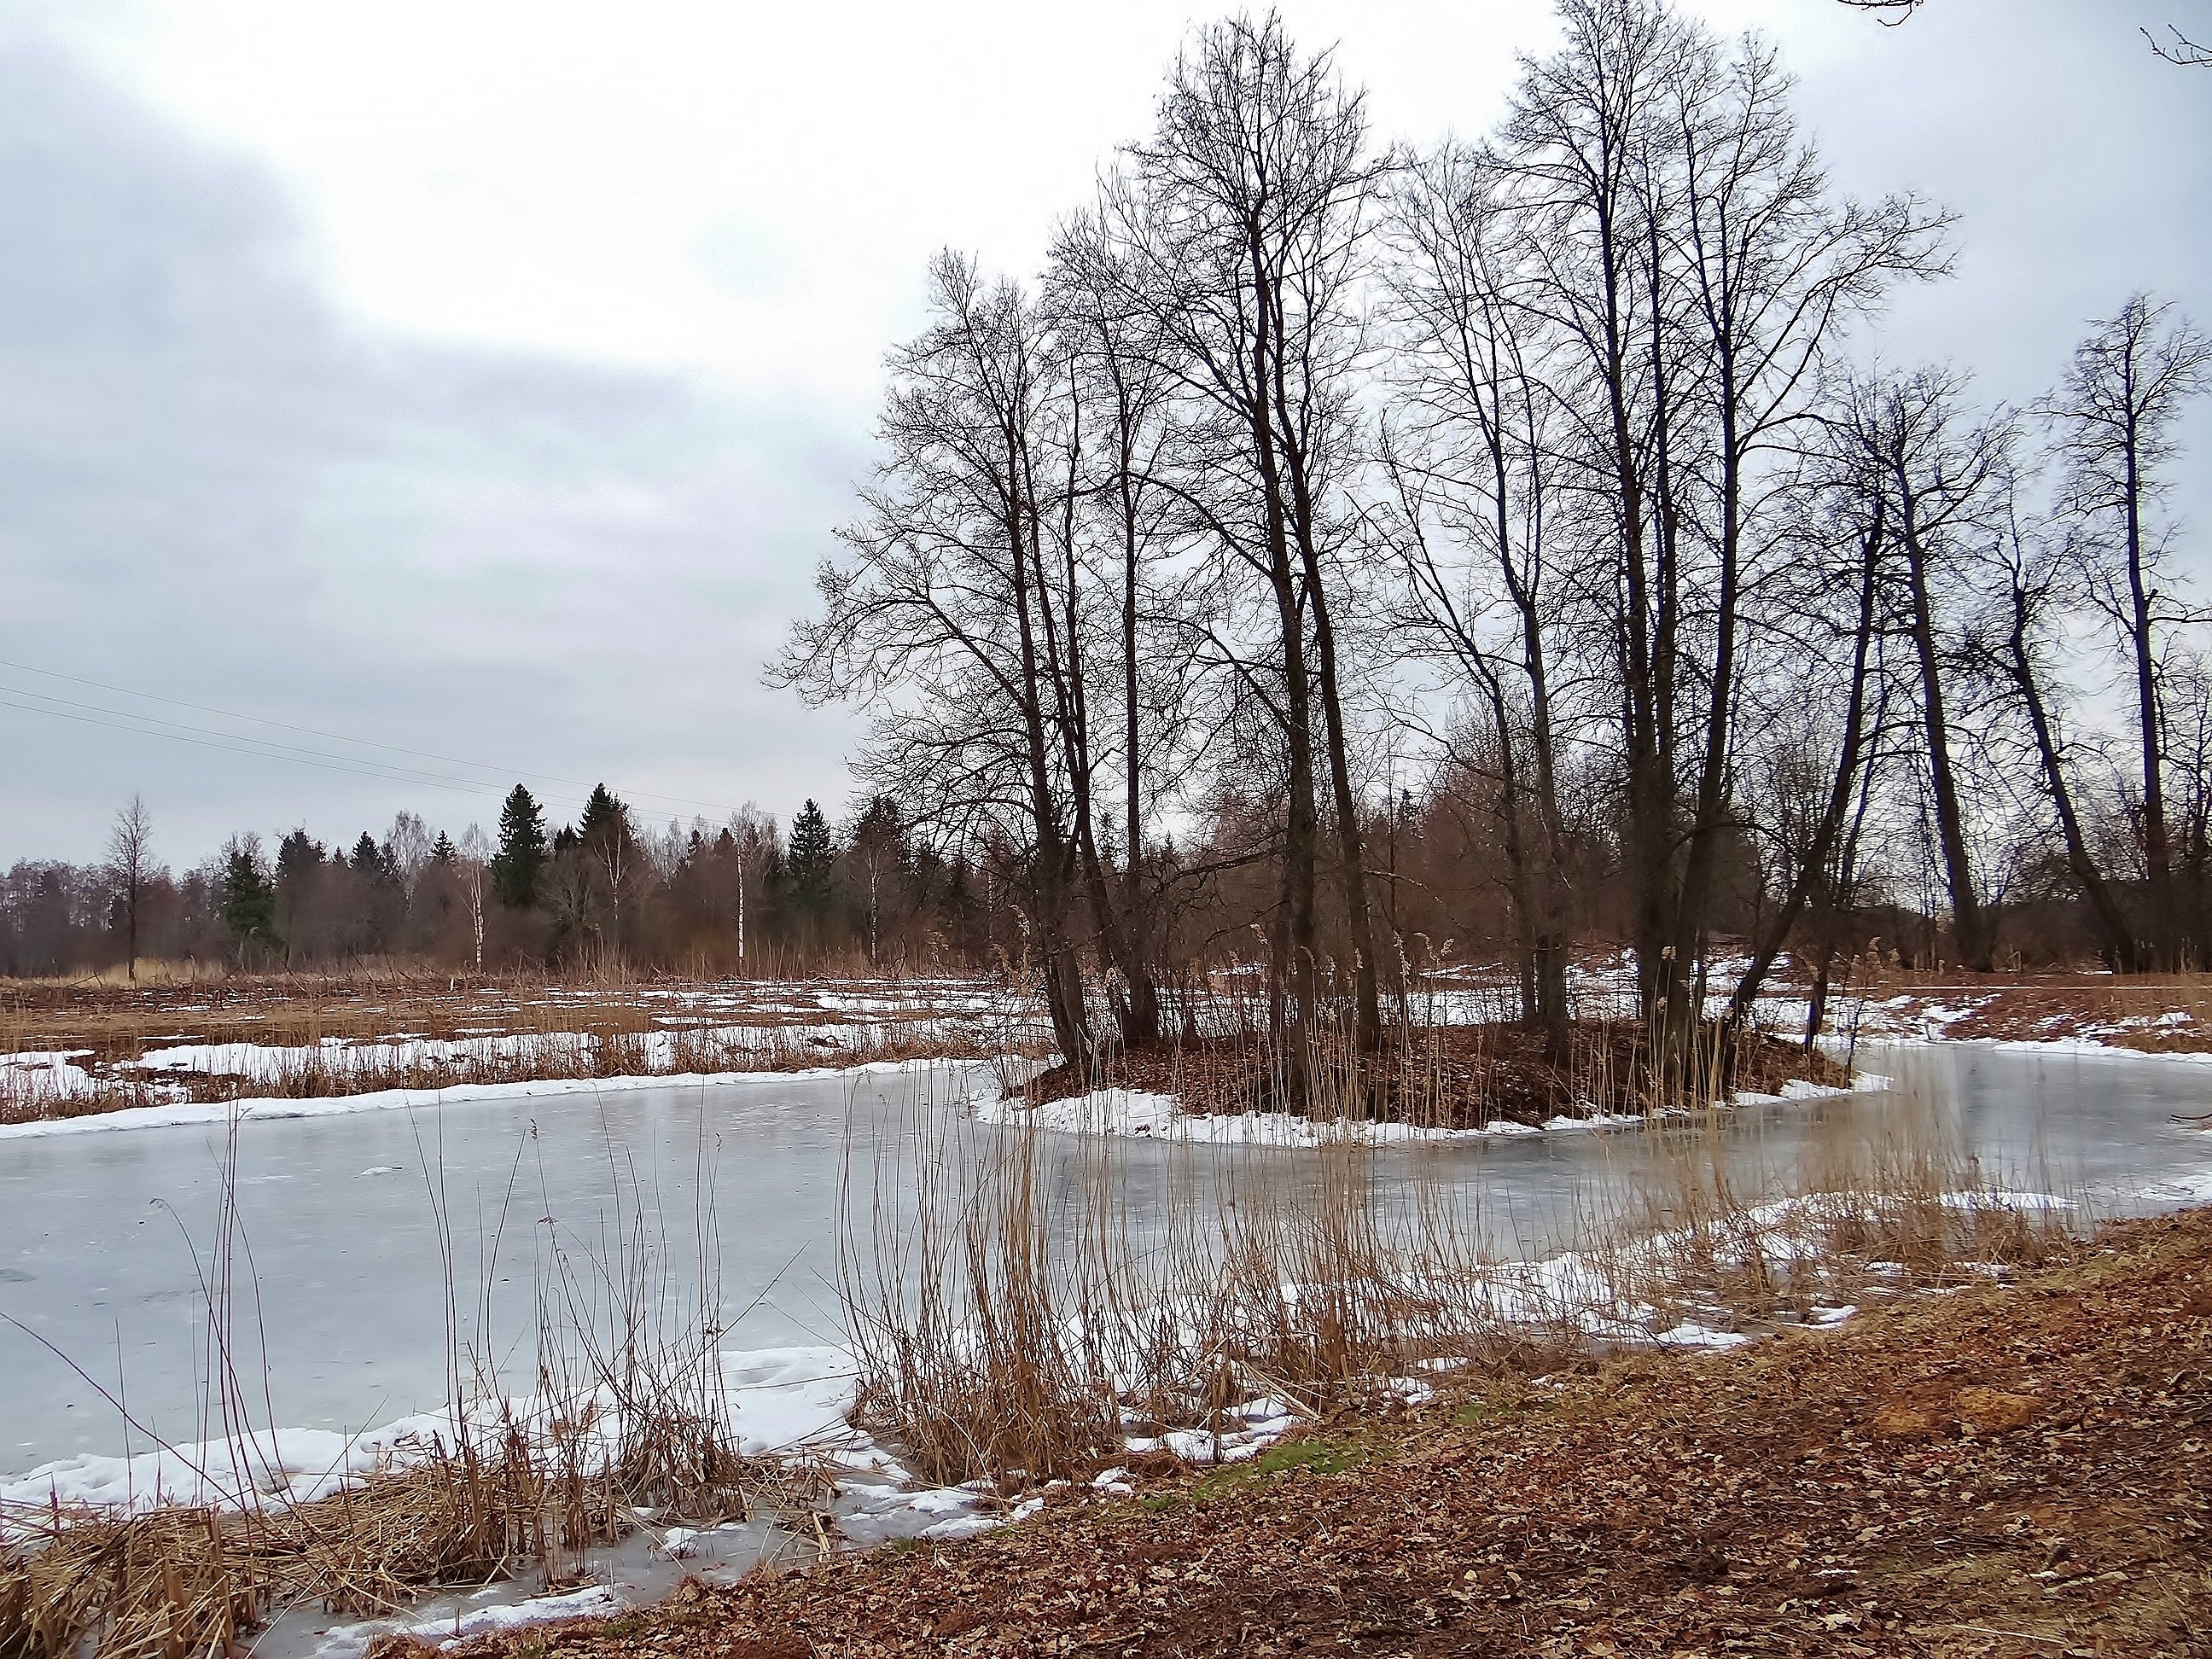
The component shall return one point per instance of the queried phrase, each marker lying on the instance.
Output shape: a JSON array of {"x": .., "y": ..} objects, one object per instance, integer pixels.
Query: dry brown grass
[
  {"x": 626, "y": 1419},
  {"x": 1874, "y": 1203},
  {"x": 2125, "y": 1012},
  {"x": 194, "y": 1580},
  {"x": 1034, "y": 1307},
  {"x": 508, "y": 1029},
  {"x": 1751, "y": 1503}
]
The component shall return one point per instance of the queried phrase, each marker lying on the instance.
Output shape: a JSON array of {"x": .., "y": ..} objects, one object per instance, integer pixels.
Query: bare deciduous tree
[
  {"x": 1244, "y": 223},
  {"x": 2014, "y": 646},
  {"x": 1688, "y": 253},
  {"x": 2174, "y": 45},
  {"x": 2112, "y": 422},
  {"x": 946, "y": 621},
  {"x": 471, "y": 863},
  {"x": 1940, "y": 472},
  {"x": 130, "y": 863}
]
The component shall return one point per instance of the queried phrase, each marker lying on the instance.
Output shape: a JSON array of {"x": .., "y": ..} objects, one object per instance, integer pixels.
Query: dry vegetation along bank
[
  {"x": 2021, "y": 1468},
  {"x": 75, "y": 1048}
]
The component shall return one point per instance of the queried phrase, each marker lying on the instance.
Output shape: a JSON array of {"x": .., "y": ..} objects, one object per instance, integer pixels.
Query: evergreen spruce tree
[
  {"x": 521, "y": 852},
  {"x": 441, "y": 851},
  {"x": 605, "y": 822},
  {"x": 368, "y": 860},
  {"x": 299, "y": 859},
  {"x": 246, "y": 899},
  {"x": 808, "y": 861}
]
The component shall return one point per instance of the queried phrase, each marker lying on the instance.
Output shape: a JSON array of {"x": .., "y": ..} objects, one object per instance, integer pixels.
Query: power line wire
[
  {"x": 328, "y": 763},
  {"x": 262, "y": 746},
  {"x": 305, "y": 756}
]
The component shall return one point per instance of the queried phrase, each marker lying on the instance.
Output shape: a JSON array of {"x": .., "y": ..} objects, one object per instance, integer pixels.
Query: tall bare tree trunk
[
  {"x": 1969, "y": 927},
  {"x": 2112, "y": 921},
  {"x": 1812, "y": 876},
  {"x": 2158, "y": 858}
]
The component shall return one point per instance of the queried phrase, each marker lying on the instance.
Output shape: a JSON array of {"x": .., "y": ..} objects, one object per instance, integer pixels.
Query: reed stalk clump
[
  {"x": 627, "y": 1425},
  {"x": 1042, "y": 1297}
]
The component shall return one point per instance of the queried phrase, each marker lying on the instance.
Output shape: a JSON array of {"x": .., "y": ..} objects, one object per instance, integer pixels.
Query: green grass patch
[
  {"x": 1322, "y": 1456},
  {"x": 1478, "y": 1413},
  {"x": 1283, "y": 1459}
]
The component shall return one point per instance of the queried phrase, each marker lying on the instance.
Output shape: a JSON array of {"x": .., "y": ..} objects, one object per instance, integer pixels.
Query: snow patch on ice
[
  {"x": 1136, "y": 1112},
  {"x": 351, "y": 1641},
  {"x": 776, "y": 1402},
  {"x": 185, "y": 1113}
]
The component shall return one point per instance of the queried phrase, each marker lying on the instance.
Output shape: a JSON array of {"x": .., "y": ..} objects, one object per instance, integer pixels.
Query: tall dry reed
[
  {"x": 1018, "y": 1300},
  {"x": 623, "y": 1419}
]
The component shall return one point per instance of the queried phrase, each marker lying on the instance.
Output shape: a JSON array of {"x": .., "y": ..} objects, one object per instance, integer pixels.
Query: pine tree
[
  {"x": 807, "y": 863},
  {"x": 521, "y": 852},
  {"x": 299, "y": 859}
]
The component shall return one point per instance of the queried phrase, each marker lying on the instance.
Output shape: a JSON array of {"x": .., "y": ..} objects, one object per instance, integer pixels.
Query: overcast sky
[{"x": 484, "y": 379}]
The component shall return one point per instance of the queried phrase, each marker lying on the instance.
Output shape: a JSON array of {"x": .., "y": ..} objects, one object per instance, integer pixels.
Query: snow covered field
[
  {"x": 163, "y": 1059},
  {"x": 172, "y": 1048}
]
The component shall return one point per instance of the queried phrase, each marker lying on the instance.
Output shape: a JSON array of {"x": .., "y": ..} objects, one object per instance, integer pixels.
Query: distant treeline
[
  {"x": 697, "y": 899},
  {"x": 747, "y": 896}
]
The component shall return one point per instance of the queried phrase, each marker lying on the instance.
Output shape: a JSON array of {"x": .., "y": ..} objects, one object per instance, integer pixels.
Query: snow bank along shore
[
  {"x": 796, "y": 1403},
  {"x": 1138, "y": 1113},
  {"x": 173, "y": 1114},
  {"x": 788, "y": 1403}
]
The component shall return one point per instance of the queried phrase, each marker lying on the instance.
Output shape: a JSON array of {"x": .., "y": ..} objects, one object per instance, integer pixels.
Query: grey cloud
[{"x": 212, "y": 488}]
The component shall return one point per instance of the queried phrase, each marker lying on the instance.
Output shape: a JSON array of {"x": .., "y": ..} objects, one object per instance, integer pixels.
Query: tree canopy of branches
[{"x": 1547, "y": 461}]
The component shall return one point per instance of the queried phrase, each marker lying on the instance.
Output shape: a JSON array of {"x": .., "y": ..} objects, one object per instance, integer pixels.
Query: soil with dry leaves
[{"x": 2012, "y": 1469}]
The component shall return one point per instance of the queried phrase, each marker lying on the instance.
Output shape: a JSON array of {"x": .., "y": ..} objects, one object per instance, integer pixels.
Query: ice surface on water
[
  {"x": 94, "y": 1256},
  {"x": 93, "y": 1226},
  {"x": 775, "y": 1401},
  {"x": 185, "y": 1113}
]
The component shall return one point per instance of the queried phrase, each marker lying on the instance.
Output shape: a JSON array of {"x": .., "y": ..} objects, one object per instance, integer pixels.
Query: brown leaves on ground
[{"x": 2048, "y": 1494}]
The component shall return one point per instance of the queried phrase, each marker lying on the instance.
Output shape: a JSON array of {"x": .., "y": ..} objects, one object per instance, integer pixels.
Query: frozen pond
[{"x": 337, "y": 1215}]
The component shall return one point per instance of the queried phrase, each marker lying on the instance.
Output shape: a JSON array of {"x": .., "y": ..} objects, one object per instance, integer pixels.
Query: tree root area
[
  {"x": 2018, "y": 1469},
  {"x": 1455, "y": 1077}
]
